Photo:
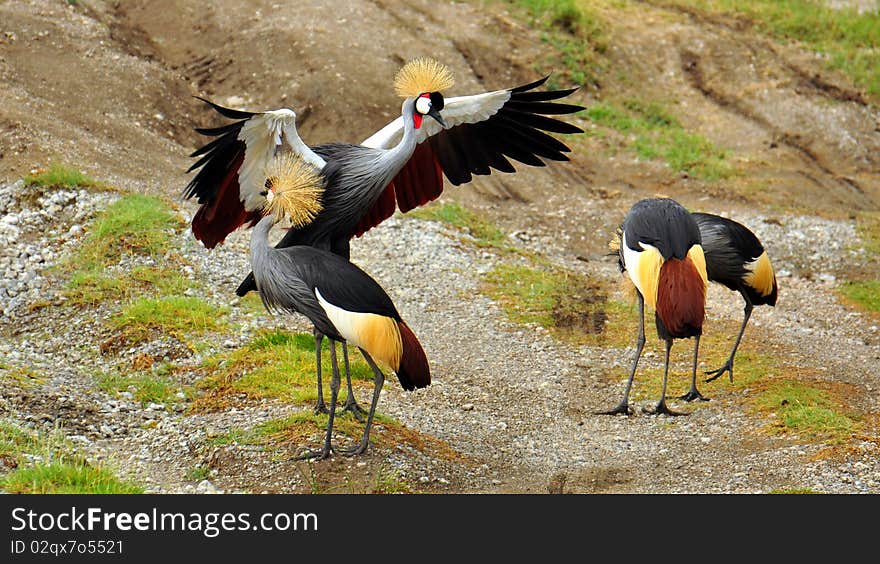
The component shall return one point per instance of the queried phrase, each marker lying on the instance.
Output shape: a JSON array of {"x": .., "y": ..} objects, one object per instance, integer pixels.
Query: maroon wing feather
[
  {"x": 224, "y": 213},
  {"x": 381, "y": 210}
]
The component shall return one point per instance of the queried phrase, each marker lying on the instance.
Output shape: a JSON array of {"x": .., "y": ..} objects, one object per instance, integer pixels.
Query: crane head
[
  {"x": 294, "y": 189},
  {"x": 428, "y": 104}
]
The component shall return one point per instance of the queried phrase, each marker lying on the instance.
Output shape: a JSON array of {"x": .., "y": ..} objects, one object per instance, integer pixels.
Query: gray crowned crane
[
  {"x": 341, "y": 300},
  {"x": 659, "y": 247},
  {"x": 399, "y": 167},
  {"x": 735, "y": 258}
]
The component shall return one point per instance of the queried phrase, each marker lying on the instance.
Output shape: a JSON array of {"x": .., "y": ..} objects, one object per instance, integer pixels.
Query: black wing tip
[{"x": 227, "y": 112}]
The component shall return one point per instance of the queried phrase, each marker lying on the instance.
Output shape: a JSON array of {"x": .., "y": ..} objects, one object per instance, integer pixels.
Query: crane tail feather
[
  {"x": 413, "y": 371},
  {"x": 681, "y": 298}
]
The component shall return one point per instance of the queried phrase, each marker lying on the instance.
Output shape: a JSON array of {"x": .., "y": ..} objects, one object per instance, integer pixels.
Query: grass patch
[
  {"x": 133, "y": 225},
  {"x": 15, "y": 440},
  {"x": 868, "y": 227},
  {"x": 93, "y": 286},
  {"x": 62, "y": 176},
  {"x": 276, "y": 364},
  {"x": 574, "y": 30},
  {"x": 144, "y": 388},
  {"x": 568, "y": 304},
  {"x": 46, "y": 463},
  {"x": 21, "y": 376},
  {"x": 66, "y": 478},
  {"x": 455, "y": 215},
  {"x": 197, "y": 473},
  {"x": 173, "y": 315},
  {"x": 864, "y": 294},
  {"x": 806, "y": 410},
  {"x": 795, "y": 491},
  {"x": 653, "y": 133},
  {"x": 849, "y": 40}
]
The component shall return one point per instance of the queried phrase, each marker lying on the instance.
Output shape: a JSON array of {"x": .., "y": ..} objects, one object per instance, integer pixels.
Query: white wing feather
[
  {"x": 456, "y": 111},
  {"x": 262, "y": 135}
]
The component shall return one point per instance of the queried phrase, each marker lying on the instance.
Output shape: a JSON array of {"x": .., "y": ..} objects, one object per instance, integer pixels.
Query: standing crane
[
  {"x": 341, "y": 300},
  {"x": 659, "y": 248},
  {"x": 736, "y": 259},
  {"x": 399, "y": 167}
]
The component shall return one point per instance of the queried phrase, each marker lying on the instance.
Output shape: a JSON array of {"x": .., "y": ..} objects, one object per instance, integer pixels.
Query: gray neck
[
  {"x": 260, "y": 242},
  {"x": 396, "y": 157}
]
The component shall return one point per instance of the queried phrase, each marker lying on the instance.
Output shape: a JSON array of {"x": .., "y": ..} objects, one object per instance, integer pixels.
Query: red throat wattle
[{"x": 417, "y": 117}]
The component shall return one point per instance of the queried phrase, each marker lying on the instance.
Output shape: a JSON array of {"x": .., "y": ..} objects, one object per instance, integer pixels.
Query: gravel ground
[{"x": 516, "y": 404}]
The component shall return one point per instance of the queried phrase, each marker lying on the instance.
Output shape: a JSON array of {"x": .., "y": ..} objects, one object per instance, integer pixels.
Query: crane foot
[
  {"x": 622, "y": 409},
  {"x": 728, "y": 367},
  {"x": 693, "y": 395},
  {"x": 352, "y": 406},
  {"x": 662, "y": 409},
  {"x": 355, "y": 450}
]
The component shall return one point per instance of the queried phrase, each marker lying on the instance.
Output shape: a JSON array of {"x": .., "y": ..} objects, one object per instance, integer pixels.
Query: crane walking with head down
[
  {"x": 735, "y": 258},
  {"x": 659, "y": 247},
  {"x": 341, "y": 300},
  {"x": 400, "y": 166}
]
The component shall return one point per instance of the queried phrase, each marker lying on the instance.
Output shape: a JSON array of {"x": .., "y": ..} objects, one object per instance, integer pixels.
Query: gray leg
[
  {"x": 728, "y": 366},
  {"x": 379, "y": 380},
  {"x": 623, "y": 406},
  {"x": 694, "y": 393},
  {"x": 334, "y": 393},
  {"x": 661, "y": 405},
  {"x": 351, "y": 403},
  {"x": 320, "y": 407}
]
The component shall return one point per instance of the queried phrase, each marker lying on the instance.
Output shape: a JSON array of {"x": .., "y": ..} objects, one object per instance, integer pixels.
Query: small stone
[{"x": 468, "y": 407}]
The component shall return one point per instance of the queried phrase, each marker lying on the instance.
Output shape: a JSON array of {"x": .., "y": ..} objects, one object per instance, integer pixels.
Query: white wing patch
[
  {"x": 456, "y": 111},
  {"x": 263, "y": 135},
  {"x": 376, "y": 334},
  {"x": 345, "y": 321}
]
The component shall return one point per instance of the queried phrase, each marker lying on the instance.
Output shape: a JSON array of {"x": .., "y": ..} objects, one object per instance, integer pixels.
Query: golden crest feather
[
  {"x": 294, "y": 190},
  {"x": 421, "y": 75}
]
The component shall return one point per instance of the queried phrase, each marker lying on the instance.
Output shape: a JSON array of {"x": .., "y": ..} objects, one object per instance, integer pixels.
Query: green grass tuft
[
  {"x": 173, "y": 315},
  {"x": 850, "y": 40},
  {"x": 806, "y": 410},
  {"x": 61, "y": 176},
  {"x": 75, "y": 477},
  {"x": 865, "y": 294},
  {"x": 568, "y": 304},
  {"x": 455, "y": 215},
  {"x": 15, "y": 440},
  {"x": 574, "y": 30},
  {"x": 278, "y": 364},
  {"x": 46, "y": 463},
  {"x": 197, "y": 473},
  {"x": 653, "y": 133},
  {"x": 94, "y": 286},
  {"x": 145, "y": 388},
  {"x": 133, "y": 225}
]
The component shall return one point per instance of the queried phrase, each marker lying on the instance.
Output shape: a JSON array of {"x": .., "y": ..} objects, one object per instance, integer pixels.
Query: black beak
[{"x": 436, "y": 115}]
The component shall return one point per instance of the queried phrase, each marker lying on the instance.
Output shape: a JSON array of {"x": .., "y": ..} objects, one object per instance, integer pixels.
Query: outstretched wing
[
  {"x": 483, "y": 132},
  {"x": 233, "y": 166}
]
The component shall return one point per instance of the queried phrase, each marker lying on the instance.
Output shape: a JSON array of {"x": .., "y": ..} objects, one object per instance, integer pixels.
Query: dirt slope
[{"x": 107, "y": 87}]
